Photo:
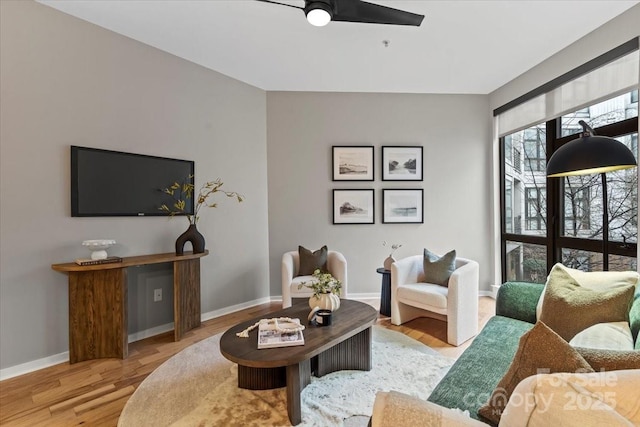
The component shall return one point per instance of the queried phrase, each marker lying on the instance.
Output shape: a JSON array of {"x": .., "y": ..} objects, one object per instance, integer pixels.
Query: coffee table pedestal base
[
  {"x": 352, "y": 353},
  {"x": 298, "y": 377},
  {"x": 261, "y": 378}
]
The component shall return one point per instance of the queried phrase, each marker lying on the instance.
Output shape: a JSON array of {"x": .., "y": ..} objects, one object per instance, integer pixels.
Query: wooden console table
[{"x": 98, "y": 303}]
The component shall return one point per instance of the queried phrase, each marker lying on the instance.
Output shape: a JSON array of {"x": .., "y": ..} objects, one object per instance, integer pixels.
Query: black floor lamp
[{"x": 592, "y": 154}]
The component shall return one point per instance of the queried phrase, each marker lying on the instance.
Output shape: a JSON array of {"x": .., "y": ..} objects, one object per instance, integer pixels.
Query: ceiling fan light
[{"x": 318, "y": 14}]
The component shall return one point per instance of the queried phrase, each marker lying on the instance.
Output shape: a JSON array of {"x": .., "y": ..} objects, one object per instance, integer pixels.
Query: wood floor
[{"x": 94, "y": 392}]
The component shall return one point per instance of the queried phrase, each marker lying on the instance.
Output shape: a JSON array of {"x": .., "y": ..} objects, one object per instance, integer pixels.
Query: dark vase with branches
[{"x": 181, "y": 193}]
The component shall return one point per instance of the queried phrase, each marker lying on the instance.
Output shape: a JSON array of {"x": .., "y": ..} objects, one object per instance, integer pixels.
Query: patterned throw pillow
[
  {"x": 310, "y": 261},
  {"x": 437, "y": 269}
]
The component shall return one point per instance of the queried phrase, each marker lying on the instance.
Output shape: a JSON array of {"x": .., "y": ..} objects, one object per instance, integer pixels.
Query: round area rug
[{"x": 198, "y": 387}]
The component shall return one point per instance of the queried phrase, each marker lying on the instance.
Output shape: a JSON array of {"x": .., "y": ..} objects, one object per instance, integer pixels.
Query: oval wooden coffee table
[{"x": 345, "y": 344}]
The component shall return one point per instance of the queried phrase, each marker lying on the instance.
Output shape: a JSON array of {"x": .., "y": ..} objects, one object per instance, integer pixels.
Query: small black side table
[{"x": 385, "y": 297}]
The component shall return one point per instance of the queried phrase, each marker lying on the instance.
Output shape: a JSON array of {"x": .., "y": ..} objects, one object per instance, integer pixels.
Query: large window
[{"x": 562, "y": 217}]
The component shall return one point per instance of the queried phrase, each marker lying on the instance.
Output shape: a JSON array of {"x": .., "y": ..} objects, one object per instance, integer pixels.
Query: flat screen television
[{"x": 113, "y": 183}]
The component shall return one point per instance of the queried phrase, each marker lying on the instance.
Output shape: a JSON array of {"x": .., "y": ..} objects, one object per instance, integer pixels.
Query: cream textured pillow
[
  {"x": 540, "y": 351},
  {"x": 569, "y": 308},
  {"x": 593, "y": 280},
  {"x": 393, "y": 409},
  {"x": 606, "y": 336},
  {"x": 564, "y": 399}
]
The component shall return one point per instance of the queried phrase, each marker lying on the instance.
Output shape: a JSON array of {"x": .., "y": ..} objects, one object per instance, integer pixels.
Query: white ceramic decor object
[
  {"x": 98, "y": 248},
  {"x": 327, "y": 301}
]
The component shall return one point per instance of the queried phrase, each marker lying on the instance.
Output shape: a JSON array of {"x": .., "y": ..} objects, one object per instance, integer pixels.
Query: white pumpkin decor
[
  {"x": 326, "y": 291},
  {"x": 327, "y": 301}
]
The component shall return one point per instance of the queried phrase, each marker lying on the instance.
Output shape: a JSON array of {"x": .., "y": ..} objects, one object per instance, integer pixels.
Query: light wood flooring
[{"x": 93, "y": 393}]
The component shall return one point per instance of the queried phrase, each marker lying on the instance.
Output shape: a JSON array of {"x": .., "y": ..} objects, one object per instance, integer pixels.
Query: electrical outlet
[{"x": 157, "y": 295}]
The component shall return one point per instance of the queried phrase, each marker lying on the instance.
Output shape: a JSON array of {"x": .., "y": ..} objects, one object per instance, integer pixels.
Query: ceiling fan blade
[
  {"x": 360, "y": 11},
  {"x": 281, "y": 4}
]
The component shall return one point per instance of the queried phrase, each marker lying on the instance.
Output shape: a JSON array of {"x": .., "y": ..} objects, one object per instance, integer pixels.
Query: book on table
[
  {"x": 269, "y": 337},
  {"x": 108, "y": 260}
]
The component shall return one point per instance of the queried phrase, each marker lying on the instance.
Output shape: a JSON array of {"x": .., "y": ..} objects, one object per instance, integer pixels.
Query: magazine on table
[{"x": 269, "y": 337}]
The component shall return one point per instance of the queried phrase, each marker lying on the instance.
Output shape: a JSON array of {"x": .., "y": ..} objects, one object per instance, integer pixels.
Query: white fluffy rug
[{"x": 198, "y": 387}]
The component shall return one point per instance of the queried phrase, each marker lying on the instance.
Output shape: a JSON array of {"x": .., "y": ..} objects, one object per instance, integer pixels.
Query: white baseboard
[
  {"x": 157, "y": 330},
  {"x": 487, "y": 294},
  {"x": 45, "y": 362},
  {"x": 364, "y": 296},
  {"x": 34, "y": 365},
  {"x": 358, "y": 297},
  {"x": 233, "y": 308},
  {"x": 494, "y": 291}
]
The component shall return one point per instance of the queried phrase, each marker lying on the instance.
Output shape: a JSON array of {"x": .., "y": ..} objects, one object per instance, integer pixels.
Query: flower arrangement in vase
[
  {"x": 180, "y": 192},
  {"x": 326, "y": 290},
  {"x": 390, "y": 259}
]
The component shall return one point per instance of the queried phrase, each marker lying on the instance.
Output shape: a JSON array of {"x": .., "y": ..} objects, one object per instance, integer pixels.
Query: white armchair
[
  {"x": 336, "y": 265},
  {"x": 456, "y": 304}
]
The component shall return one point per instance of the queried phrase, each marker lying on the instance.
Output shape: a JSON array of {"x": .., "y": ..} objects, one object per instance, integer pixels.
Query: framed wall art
[
  {"x": 401, "y": 206},
  {"x": 353, "y": 206},
  {"x": 352, "y": 163},
  {"x": 402, "y": 163}
]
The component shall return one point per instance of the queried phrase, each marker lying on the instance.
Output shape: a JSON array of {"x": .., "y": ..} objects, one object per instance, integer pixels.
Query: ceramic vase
[
  {"x": 387, "y": 262},
  {"x": 325, "y": 301},
  {"x": 191, "y": 235}
]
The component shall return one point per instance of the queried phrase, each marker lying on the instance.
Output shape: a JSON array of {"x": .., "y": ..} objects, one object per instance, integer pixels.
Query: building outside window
[
  {"x": 508, "y": 202},
  {"x": 508, "y": 151},
  {"x": 535, "y": 157},
  {"x": 535, "y": 208}
]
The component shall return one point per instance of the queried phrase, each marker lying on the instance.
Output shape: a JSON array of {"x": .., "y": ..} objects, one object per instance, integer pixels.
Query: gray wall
[
  {"x": 66, "y": 82},
  {"x": 455, "y": 132},
  {"x": 144, "y": 312}
]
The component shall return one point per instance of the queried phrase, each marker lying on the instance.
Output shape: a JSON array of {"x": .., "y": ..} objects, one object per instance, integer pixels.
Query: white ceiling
[{"x": 461, "y": 46}]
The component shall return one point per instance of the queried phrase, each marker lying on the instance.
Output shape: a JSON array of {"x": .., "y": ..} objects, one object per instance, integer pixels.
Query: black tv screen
[{"x": 113, "y": 183}]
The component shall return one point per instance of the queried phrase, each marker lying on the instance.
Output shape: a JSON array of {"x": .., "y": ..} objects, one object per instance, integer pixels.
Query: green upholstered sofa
[{"x": 474, "y": 376}]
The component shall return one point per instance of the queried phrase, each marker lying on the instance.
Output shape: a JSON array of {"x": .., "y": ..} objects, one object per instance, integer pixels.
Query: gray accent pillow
[
  {"x": 438, "y": 269},
  {"x": 310, "y": 261}
]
